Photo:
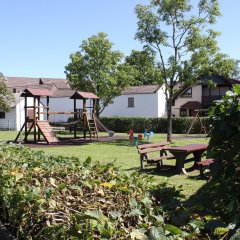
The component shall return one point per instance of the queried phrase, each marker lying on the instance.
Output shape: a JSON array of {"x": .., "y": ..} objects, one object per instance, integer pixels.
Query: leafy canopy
[
  {"x": 145, "y": 68},
  {"x": 6, "y": 97},
  {"x": 96, "y": 68}
]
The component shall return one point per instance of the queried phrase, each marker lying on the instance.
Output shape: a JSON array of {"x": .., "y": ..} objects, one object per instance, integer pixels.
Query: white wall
[
  {"x": 196, "y": 96},
  {"x": 162, "y": 106},
  {"x": 145, "y": 105},
  {"x": 9, "y": 122}
]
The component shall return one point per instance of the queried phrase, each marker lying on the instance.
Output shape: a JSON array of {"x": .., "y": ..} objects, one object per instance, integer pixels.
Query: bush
[
  {"x": 50, "y": 197},
  {"x": 157, "y": 125},
  {"x": 224, "y": 145}
]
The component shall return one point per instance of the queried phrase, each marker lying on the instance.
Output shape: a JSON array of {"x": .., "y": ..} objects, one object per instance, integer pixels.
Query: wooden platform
[{"x": 47, "y": 132}]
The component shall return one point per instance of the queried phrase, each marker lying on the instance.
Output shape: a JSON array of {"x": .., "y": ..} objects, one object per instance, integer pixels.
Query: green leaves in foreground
[{"x": 49, "y": 197}]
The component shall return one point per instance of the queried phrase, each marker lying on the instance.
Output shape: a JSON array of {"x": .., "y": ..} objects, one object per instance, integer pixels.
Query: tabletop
[{"x": 188, "y": 148}]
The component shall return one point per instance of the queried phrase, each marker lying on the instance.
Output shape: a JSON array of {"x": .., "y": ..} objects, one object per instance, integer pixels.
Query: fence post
[{"x": 9, "y": 125}]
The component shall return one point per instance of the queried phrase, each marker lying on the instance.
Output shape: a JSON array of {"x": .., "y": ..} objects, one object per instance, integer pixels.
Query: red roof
[
  {"x": 34, "y": 92},
  {"x": 192, "y": 105},
  {"x": 84, "y": 95},
  {"x": 145, "y": 89}
]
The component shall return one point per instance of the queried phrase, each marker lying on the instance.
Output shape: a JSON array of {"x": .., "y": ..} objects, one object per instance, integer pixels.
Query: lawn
[{"x": 125, "y": 155}]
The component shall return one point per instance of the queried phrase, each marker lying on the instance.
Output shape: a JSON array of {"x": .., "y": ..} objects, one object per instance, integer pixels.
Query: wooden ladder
[{"x": 92, "y": 127}]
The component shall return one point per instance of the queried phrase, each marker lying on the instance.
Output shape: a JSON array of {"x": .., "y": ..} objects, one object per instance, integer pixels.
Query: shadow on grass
[
  {"x": 164, "y": 171},
  {"x": 121, "y": 142}
]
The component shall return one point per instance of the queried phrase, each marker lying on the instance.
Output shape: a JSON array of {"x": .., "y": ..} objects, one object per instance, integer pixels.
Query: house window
[
  {"x": 2, "y": 115},
  {"x": 187, "y": 93},
  {"x": 130, "y": 102},
  {"x": 183, "y": 112}
]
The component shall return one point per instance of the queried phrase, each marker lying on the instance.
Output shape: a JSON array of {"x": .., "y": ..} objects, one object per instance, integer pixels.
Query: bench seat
[
  {"x": 145, "y": 149},
  {"x": 204, "y": 164}
]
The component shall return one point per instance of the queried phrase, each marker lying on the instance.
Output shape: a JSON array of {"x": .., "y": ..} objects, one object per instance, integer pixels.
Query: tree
[
  {"x": 96, "y": 68},
  {"x": 236, "y": 70},
  {"x": 185, "y": 44},
  {"x": 6, "y": 97},
  {"x": 144, "y": 67}
]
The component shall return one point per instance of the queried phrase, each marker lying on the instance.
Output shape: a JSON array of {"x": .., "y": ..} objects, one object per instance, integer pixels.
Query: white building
[{"x": 138, "y": 101}]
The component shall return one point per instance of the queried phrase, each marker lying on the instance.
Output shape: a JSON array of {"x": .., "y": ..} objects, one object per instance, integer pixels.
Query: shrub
[
  {"x": 158, "y": 125},
  {"x": 49, "y": 197},
  {"x": 224, "y": 145}
]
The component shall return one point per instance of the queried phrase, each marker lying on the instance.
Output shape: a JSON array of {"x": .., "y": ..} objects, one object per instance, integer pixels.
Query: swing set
[{"x": 197, "y": 118}]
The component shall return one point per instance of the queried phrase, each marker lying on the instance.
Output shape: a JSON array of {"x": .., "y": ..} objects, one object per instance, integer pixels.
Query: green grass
[{"x": 125, "y": 156}]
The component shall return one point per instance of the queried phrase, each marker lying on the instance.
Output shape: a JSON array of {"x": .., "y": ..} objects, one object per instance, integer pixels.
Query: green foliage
[
  {"x": 236, "y": 71},
  {"x": 6, "y": 97},
  {"x": 145, "y": 68},
  {"x": 157, "y": 125},
  {"x": 224, "y": 189},
  {"x": 47, "y": 197},
  {"x": 96, "y": 68}
]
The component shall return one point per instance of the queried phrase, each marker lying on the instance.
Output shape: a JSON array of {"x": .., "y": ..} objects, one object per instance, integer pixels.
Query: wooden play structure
[
  {"x": 88, "y": 117},
  {"x": 40, "y": 124},
  {"x": 197, "y": 118}
]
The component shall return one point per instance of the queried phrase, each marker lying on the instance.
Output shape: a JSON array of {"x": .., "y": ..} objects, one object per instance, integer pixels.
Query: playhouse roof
[
  {"x": 84, "y": 95},
  {"x": 34, "y": 92}
]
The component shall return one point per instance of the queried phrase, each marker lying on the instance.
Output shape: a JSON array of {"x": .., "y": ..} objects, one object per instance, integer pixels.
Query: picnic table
[
  {"x": 180, "y": 153},
  {"x": 146, "y": 149}
]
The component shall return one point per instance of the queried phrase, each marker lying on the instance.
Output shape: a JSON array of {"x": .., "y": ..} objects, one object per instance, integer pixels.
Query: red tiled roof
[
  {"x": 34, "y": 92},
  {"x": 192, "y": 105},
  {"x": 84, "y": 95},
  {"x": 145, "y": 89},
  {"x": 63, "y": 93},
  {"x": 24, "y": 82}
]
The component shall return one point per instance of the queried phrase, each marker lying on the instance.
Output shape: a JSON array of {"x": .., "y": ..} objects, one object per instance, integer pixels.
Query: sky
[{"x": 37, "y": 37}]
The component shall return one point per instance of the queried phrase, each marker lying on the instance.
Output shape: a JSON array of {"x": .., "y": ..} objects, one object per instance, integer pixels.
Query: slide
[
  {"x": 103, "y": 128},
  {"x": 47, "y": 132}
]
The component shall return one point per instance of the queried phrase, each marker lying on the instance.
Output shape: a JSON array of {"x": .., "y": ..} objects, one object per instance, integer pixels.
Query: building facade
[
  {"x": 201, "y": 96},
  {"x": 138, "y": 101}
]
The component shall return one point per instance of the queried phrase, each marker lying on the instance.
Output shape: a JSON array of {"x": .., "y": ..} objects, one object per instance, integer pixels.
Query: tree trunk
[
  {"x": 169, "y": 117},
  {"x": 97, "y": 108},
  {"x": 169, "y": 114}
]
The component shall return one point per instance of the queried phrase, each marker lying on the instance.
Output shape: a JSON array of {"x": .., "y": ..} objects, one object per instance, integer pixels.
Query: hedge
[{"x": 157, "y": 125}]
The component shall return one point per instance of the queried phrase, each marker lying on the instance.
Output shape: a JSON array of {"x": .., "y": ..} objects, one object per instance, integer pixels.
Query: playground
[{"x": 37, "y": 128}]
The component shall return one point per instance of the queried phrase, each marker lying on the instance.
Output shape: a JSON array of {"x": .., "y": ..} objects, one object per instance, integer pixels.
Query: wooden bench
[
  {"x": 204, "y": 164},
  {"x": 145, "y": 149}
]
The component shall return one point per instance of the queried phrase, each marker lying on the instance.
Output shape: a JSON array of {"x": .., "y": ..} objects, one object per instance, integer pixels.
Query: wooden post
[
  {"x": 38, "y": 118},
  {"x": 94, "y": 108},
  {"x": 84, "y": 119},
  {"x": 47, "y": 107},
  {"x": 26, "y": 118},
  {"x": 35, "y": 119},
  {"x": 75, "y": 117}
]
